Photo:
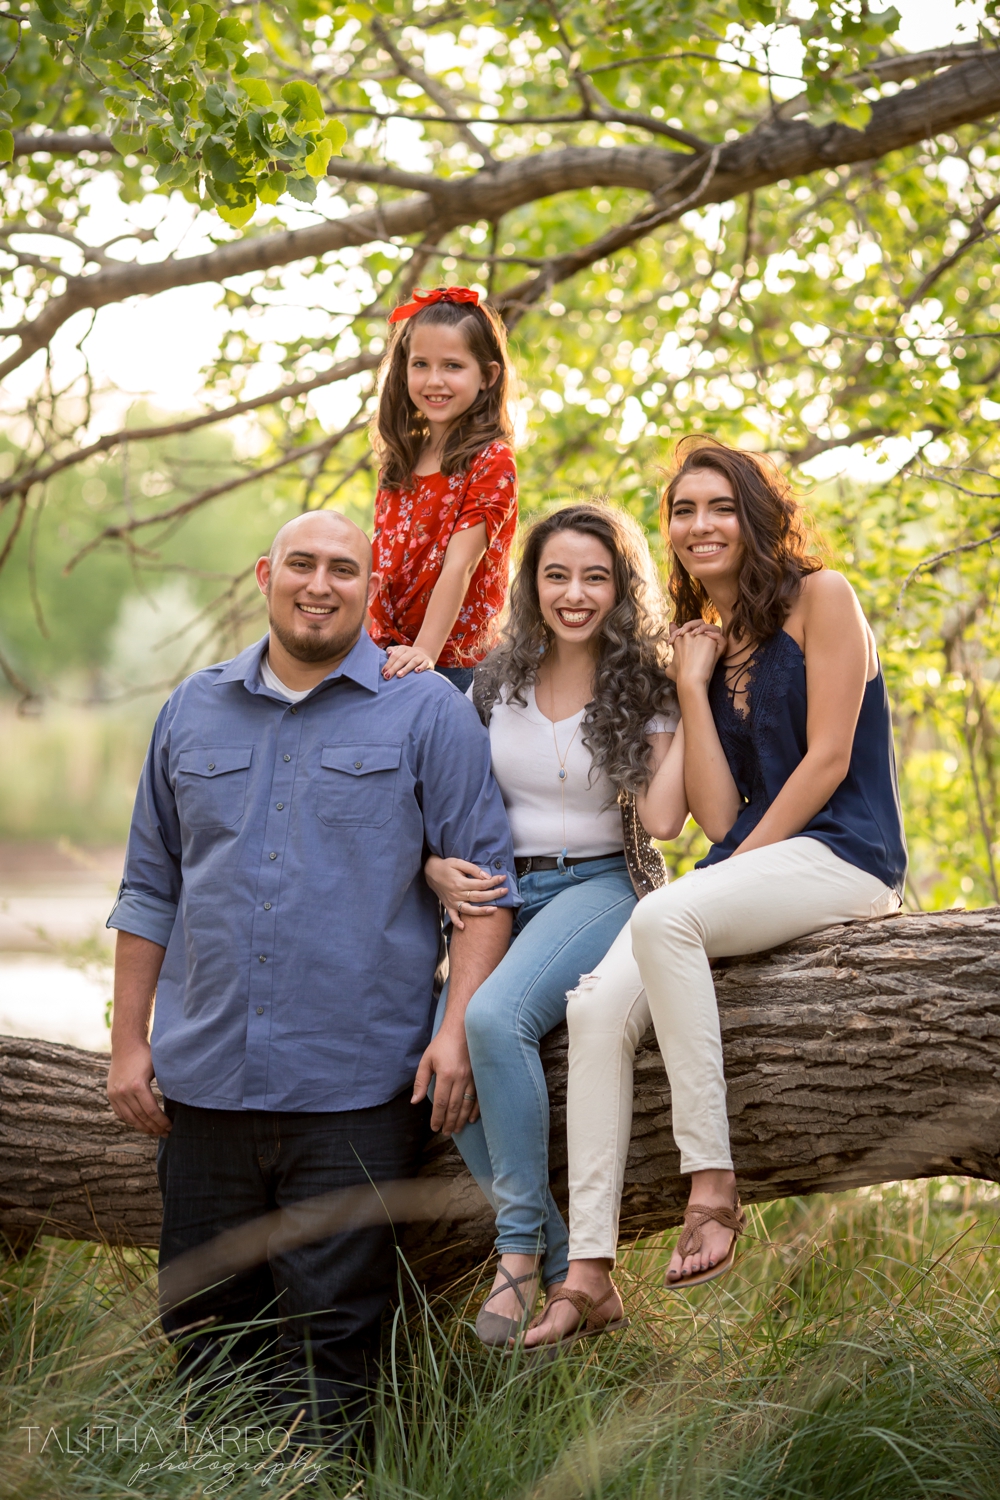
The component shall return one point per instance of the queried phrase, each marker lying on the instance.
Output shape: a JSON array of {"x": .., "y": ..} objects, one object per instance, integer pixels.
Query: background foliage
[{"x": 850, "y": 310}]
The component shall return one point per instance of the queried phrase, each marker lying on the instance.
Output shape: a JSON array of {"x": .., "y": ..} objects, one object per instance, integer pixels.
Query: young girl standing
[{"x": 446, "y": 508}]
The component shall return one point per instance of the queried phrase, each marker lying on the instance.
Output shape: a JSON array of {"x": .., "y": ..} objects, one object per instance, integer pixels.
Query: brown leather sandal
[
  {"x": 588, "y": 1326},
  {"x": 690, "y": 1242}
]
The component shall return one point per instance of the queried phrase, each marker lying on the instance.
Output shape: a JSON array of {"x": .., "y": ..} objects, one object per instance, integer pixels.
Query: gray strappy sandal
[{"x": 494, "y": 1328}]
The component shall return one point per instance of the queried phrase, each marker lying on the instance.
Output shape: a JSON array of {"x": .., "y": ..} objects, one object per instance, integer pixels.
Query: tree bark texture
[{"x": 866, "y": 1053}]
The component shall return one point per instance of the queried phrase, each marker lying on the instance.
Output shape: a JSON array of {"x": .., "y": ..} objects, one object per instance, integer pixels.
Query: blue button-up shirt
[{"x": 276, "y": 851}]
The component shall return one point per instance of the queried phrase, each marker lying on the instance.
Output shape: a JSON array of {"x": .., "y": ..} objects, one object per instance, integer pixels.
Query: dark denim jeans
[{"x": 315, "y": 1310}]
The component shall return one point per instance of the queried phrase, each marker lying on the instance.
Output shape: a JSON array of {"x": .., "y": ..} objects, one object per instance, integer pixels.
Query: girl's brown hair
[
  {"x": 399, "y": 430},
  {"x": 630, "y": 680},
  {"x": 775, "y": 559}
]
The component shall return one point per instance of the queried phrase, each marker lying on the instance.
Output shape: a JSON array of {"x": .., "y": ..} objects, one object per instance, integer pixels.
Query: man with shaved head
[{"x": 275, "y": 906}]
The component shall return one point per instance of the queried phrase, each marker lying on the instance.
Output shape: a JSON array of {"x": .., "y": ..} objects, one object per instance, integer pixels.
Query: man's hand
[
  {"x": 129, "y": 1093},
  {"x": 447, "y": 1061},
  {"x": 404, "y": 659},
  {"x": 137, "y": 968},
  {"x": 473, "y": 955}
]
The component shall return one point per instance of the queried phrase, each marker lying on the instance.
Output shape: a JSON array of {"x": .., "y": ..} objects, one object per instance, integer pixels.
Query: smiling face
[
  {"x": 443, "y": 377},
  {"x": 317, "y": 580},
  {"x": 705, "y": 530},
  {"x": 576, "y": 586}
]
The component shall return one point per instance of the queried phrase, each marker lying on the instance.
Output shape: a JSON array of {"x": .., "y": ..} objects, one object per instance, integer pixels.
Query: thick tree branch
[
  {"x": 864, "y": 1053},
  {"x": 896, "y": 70},
  {"x": 775, "y": 149},
  {"x": 21, "y": 483},
  {"x": 62, "y": 143}
]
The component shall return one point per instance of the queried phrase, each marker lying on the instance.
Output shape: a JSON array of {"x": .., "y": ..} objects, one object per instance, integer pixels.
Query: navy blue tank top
[{"x": 862, "y": 822}]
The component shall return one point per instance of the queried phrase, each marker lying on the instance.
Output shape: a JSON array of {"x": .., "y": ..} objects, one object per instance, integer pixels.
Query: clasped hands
[{"x": 697, "y": 647}]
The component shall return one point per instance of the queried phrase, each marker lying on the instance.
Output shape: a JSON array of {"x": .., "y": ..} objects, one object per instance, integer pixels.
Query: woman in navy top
[{"x": 789, "y": 769}]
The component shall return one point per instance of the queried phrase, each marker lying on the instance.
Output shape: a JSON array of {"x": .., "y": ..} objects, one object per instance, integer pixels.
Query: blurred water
[
  {"x": 55, "y": 952},
  {"x": 47, "y": 998}
]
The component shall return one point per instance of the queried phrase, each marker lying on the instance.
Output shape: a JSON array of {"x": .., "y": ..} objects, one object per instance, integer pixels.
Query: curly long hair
[
  {"x": 630, "y": 683},
  {"x": 774, "y": 535},
  {"x": 399, "y": 430}
]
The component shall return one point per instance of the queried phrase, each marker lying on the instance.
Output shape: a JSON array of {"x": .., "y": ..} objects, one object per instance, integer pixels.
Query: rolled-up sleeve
[
  {"x": 150, "y": 890},
  {"x": 464, "y": 815}
]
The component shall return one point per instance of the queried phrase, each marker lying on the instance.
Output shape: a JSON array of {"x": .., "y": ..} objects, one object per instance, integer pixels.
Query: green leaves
[{"x": 182, "y": 85}]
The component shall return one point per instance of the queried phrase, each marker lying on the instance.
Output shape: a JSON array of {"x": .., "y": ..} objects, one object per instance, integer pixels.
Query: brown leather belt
[{"x": 526, "y": 864}]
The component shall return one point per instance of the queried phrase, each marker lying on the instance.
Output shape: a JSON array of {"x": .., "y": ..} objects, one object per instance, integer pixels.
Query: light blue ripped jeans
[{"x": 568, "y": 922}]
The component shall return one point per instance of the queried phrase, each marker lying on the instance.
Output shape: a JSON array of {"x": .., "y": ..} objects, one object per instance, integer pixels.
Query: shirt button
[
  {"x": 357, "y": 765},
  {"x": 280, "y": 806},
  {"x": 272, "y": 856},
  {"x": 260, "y": 1010},
  {"x": 267, "y": 906},
  {"x": 294, "y": 710},
  {"x": 263, "y": 958},
  {"x": 286, "y": 757},
  {"x": 498, "y": 864},
  {"x": 211, "y": 765}
]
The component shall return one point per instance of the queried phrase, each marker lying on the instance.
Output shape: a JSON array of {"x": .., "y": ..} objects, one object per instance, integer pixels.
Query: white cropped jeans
[{"x": 658, "y": 970}]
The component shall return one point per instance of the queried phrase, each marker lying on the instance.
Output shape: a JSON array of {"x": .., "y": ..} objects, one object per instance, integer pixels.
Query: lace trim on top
[{"x": 761, "y": 679}]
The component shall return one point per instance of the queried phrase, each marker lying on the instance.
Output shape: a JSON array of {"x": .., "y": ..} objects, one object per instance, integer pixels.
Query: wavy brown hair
[
  {"x": 630, "y": 683},
  {"x": 774, "y": 535},
  {"x": 399, "y": 430}
]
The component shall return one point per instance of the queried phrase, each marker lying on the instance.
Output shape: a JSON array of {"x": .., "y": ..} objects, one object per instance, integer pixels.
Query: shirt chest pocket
[
  {"x": 357, "y": 785},
  {"x": 211, "y": 786}
]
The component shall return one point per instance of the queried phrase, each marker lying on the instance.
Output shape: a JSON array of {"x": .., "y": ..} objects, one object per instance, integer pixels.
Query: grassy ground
[{"x": 853, "y": 1354}]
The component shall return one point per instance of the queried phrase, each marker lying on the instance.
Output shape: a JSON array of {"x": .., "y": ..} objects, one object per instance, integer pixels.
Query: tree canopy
[{"x": 772, "y": 223}]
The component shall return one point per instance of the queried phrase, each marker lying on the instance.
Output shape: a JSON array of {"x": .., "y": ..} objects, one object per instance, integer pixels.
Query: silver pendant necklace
[{"x": 562, "y": 759}]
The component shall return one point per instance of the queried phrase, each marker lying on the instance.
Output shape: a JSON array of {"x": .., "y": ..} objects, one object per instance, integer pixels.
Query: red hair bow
[{"x": 426, "y": 299}]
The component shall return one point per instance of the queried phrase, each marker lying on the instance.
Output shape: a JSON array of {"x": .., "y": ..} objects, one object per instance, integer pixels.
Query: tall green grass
[{"x": 853, "y": 1354}]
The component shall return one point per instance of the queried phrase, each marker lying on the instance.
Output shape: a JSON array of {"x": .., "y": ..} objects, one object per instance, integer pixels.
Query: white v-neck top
[{"x": 547, "y": 814}]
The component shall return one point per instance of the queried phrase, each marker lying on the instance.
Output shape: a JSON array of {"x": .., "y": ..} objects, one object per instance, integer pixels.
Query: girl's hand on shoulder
[
  {"x": 463, "y": 888},
  {"x": 403, "y": 659},
  {"x": 697, "y": 649}
]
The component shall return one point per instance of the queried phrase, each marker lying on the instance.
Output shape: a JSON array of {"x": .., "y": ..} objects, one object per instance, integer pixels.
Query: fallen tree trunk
[{"x": 866, "y": 1053}]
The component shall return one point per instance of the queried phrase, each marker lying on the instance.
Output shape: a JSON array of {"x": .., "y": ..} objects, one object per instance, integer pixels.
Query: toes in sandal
[
  {"x": 494, "y": 1328},
  {"x": 690, "y": 1242},
  {"x": 587, "y": 1327}
]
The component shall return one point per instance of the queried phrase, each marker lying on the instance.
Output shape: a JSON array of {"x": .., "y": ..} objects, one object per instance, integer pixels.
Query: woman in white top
[{"x": 582, "y": 722}]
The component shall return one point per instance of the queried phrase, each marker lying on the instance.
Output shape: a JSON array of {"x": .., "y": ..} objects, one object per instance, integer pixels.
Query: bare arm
[
  {"x": 474, "y": 954},
  {"x": 662, "y": 806},
  {"x": 836, "y": 645},
  {"x": 712, "y": 794},
  {"x": 137, "y": 969},
  {"x": 462, "y": 557}
]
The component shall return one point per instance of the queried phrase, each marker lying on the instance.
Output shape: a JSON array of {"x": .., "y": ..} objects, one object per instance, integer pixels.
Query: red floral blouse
[{"x": 413, "y": 529}]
